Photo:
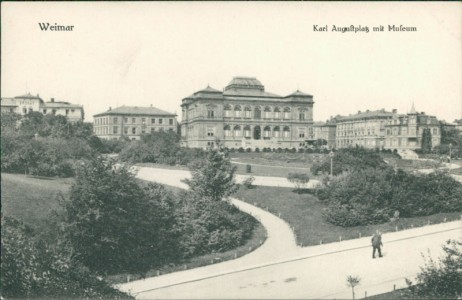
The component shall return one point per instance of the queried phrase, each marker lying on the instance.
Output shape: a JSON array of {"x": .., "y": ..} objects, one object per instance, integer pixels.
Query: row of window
[
  {"x": 115, "y": 120},
  {"x": 128, "y": 130},
  {"x": 404, "y": 131},
  {"x": 257, "y": 114}
]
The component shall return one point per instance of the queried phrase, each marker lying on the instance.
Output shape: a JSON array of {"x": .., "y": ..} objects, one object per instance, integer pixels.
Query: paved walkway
[
  {"x": 280, "y": 242},
  {"x": 280, "y": 269}
]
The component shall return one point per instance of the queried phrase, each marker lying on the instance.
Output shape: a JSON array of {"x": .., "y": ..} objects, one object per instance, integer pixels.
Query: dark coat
[{"x": 376, "y": 240}]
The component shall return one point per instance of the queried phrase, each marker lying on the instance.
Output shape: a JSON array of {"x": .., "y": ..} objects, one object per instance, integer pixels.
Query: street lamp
[
  {"x": 331, "y": 155},
  {"x": 450, "y": 151}
]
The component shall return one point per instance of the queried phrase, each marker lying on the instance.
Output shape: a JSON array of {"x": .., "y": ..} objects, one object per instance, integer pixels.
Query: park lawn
[
  {"x": 31, "y": 199},
  {"x": 304, "y": 212}
]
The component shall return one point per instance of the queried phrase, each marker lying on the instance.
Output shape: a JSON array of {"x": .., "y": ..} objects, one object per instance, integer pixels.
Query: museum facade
[{"x": 244, "y": 115}]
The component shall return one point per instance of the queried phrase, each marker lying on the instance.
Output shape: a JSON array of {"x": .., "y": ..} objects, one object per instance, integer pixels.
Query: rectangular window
[
  {"x": 160, "y": 121},
  {"x": 125, "y": 130},
  {"x": 133, "y": 130},
  {"x": 211, "y": 114},
  {"x": 210, "y": 131},
  {"x": 153, "y": 121},
  {"x": 301, "y": 132},
  {"x": 286, "y": 115},
  {"x": 143, "y": 121},
  {"x": 301, "y": 116},
  {"x": 125, "y": 120},
  {"x": 44, "y": 111},
  {"x": 237, "y": 113},
  {"x": 267, "y": 114},
  {"x": 277, "y": 115},
  {"x": 133, "y": 120},
  {"x": 143, "y": 129},
  {"x": 67, "y": 112},
  {"x": 247, "y": 113},
  {"x": 115, "y": 129},
  {"x": 170, "y": 121},
  {"x": 115, "y": 120}
]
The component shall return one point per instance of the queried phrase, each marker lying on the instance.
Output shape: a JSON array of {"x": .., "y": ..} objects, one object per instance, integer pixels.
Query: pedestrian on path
[{"x": 376, "y": 243}]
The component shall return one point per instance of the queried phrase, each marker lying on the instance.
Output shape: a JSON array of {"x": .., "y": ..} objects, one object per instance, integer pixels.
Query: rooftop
[
  {"x": 366, "y": 115},
  {"x": 136, "y": 111}
]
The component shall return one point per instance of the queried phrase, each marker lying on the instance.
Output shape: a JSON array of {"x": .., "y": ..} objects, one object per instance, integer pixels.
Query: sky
[{"x": 157, "y": 53}]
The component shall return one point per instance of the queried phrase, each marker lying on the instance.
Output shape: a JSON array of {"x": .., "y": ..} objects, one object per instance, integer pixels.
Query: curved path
[
  {"x": 280, "y": 243},
  {"x": 281, "y": 270}
]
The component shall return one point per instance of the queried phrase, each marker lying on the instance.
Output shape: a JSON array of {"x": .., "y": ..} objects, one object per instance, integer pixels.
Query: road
[{"x": 281, "y": 270}]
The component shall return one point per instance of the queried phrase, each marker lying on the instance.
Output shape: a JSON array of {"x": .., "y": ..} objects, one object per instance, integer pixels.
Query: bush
[
  {"x": 440, "y": 280},
  {"x": 298, "y": 179},
  {"x": 248, "y": 150},
  {"x": 248, "y": 182},
  {"x": 257, "y": 150}
]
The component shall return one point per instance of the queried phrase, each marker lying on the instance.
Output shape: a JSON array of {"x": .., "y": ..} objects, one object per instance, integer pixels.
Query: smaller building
[
  {"x": 325, "y": 131},
  {"x": 27, "y": 103},
  {"x": 406, "y": 131},
  {"x": 132, "y": 122}
]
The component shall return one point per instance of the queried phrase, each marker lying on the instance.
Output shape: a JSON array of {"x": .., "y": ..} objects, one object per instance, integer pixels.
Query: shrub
[
  {"x": 241, "y": 150},
  {"x": 298, "y": 179},
  {"x": 248, "y": 182},
  {"x": 248, "y": 150},
  {"x": 257, "y": 150}
]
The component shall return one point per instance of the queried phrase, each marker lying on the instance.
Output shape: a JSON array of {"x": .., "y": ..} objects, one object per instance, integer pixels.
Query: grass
[
  {"x": 304, "y": 212},
  {"x": 31, "y": 199}
]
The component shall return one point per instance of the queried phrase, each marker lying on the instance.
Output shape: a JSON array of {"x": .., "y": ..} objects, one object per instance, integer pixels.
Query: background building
[
  {"x": 245, "y": 115},
  {"x": 132, "y": 122},
  {"x": 325, "y": 131},
  {"x": 366, "y": 129},
  {"x": 406, "y": 131},
  {"x": 28, "y": 103}
]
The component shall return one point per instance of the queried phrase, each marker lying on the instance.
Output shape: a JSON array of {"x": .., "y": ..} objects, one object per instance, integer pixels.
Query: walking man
[{"x": 376, "y": 243}]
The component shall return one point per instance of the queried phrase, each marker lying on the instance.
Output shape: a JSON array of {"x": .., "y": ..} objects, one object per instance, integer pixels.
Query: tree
[
  {"x": 212, "y": 176},
  {"x": 353, "y": 281},
  {"x": 442, "y": 280},
  {"x": 298, "y": 179},
  {"x": 114, "y": 224},
  {"x": 426, "y": 141},
  {"x": 32, "y": 268}
]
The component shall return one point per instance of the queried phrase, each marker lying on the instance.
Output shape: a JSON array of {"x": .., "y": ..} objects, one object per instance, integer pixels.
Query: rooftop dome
[{"x": 251, "y": 83}]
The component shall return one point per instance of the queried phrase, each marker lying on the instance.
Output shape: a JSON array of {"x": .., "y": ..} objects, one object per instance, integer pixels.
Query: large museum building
[{"x": 244, "y": 115}]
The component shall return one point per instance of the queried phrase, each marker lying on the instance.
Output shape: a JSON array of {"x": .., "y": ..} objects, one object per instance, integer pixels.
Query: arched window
[
  {"x": 257, "y": 113},
  {"x": 286, "y": 113},
  {"x": 247, "y": 131},
  {"x": 277, "y": 113},
  {"x": 286, "y": 131},
  {"x": 247, "y": 111},
  {"x": 227, "y": 130},
  {"x": 237, "y": 131},
  {"x": 301, "y": 114},
  {"x": 267, "y": 112},
  {"x": 276, "y": 132},
  {"x": 237, "y": 111},
  {"x": 228, "y": 111},
  {"x": 267, "y": 132}
]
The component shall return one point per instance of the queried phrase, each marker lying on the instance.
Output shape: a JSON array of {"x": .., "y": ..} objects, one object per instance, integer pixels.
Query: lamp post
[
  {"x": 450, "y": 151},
  {"x": 331, "y": 155}
]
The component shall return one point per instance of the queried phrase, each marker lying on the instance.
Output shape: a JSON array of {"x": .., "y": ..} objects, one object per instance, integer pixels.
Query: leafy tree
[
  {"x": 426, "y": 141},
  {"x": 442, "y": 279},
  {"x": 298, "y": 179},
  {"x": 115, "y": 225},
  {"x": 349, "y": 159},
  {"x": 31, "y": 268},
  {"x": 213, "y": 176}
]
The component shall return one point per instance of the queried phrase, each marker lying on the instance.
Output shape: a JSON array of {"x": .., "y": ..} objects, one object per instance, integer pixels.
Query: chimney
[
  {"x": 110, "y": 108},
  {"x": 394, "y": 111},
  {"x": 422, "y": 113},
  {"x": 52, "y": 99},
  {"x": 151, "y": 105},
  {"x": 38, "y": 96},
  {"x": 359, "y": 111}
]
